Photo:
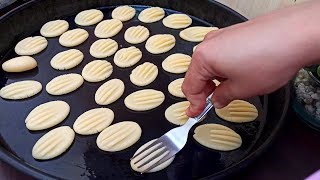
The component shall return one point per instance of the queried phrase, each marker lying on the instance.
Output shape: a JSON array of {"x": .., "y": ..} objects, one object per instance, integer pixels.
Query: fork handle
[{"x": 207, "y": 108}]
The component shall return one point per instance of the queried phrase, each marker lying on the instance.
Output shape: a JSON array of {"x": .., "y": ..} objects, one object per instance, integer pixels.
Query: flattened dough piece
[
  {"x": 119, "y": 136},
  {"x": 218, "y": 137},
  {"x": 176, "y": 63},
  {"x": 21, "y": 90},
  {"x": 53, "y": 143},
  {"x": 144, "y": 74},
  {"x": 176, "y": 113},
  {"x": 64, "y": 84},
  {"x": 93, "y": 121},
  {"x": 19, "y": 64},
  {"x": 109, "y": 92},
  {"x": 31, "y": 46},
  {"x": 88, "y": 17},
  {"x": 97, "y": 70},
  {"x": 108, "y": 28},
  {"x": 196, "y": 33},
  {"x": 174, "y": 88},
  {"x": 67, "y": 59},
  {"x": 160, "y": 43},
  {"x": 54, "y": 28},
  {"x": 136, "y": 34},
  {"x": 103, "y": 48},
  {"x": 123, "y": 13},
  {"x": 238, "y": 111},
  {"x": 47, "y": 115},
  {"x": 144, "y": 100},
  {"x": 150, "y": 15},
  {"x": 73, "y": 37},
  {"x": 127, "y": 57},
  {"x": 155, "y": 149},
  {"x": 177, "y": 21}
]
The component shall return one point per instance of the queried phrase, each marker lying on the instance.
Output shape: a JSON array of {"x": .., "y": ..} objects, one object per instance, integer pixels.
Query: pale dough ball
[
  {"x": 136, "y": 34},
  {"x": 176, "y": 63},
  {"x": 64, "y": 84},
  {"x": 176, "y": 113},
  {"x": 175, "y": 89},
  {"x": 123, "y": 13},
  {"x": 88, "y": 17},
  {"x": 31, "y": 46},
  {"x": 54, "y": 28},
  {"x": 19, "y": 64},
  {"x": 67, "y": 59},
  {"x": 103, "y": 48},
  {"x": 144, "y": 74},
  {"x": 97, "y": 70},
  {"x": 21, "y": 90},
  {"x": 127, "y": 57},
  {"x": 160, "y": 43},
  {"x": 196, "y": 33},
  {"x": 151, "y": 14},
  {"x": 73, "y": 37},
  {"x": 177, "y": 21},
  {"x": 108, "y": 28},
  {"x": 47, "y": 115},
  {"x": 144, "y": 100},
  {"x": 109, "y": 92}
]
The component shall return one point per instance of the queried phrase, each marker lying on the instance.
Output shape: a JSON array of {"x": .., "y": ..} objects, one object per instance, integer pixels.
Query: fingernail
[{"x": 217, "y": 105}]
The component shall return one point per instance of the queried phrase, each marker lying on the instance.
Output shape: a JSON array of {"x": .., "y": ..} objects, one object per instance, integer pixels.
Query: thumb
[{"x": 224, "y": 94}]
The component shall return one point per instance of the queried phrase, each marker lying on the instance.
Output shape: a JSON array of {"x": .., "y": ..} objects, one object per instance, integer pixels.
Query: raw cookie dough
[
  {"x": 160, "y": 43},
  {"x": 109, "y": 92},
  {"x": 54, "y": 28},
  {"x": 136, "y": 34},
  {"x": 19, "y": 64},
  {"x": 88, "y": 17},
  {"x": 67, "y": 59},
  {"x": 64, "y": 84},
  {"x": 21, "y": 90},
  {"x": 155, "y": 169},
  {"x": 196, "y": 33},
  {"x": 174, "y": 88},
  {"x": 218, "y": 137},
  {"x": 47, "y": 115},
  {"x": 144, "y": 100},
  {"x": 108, "y": 28},
  {"x": 127, "y": 57},
  {"x": 238, "y": 111},
  {"x": 73, "y": 37},
  {"x": 97, "y": 70},
  {"x": 93, "y": 121},
  {"x": 144, "y": 74},
  {"x": 177, "y": 21},
  {"x": 123, "y": 13},
  {"x": 176, "y": 63},
  {"x": 103, "y": 48},
  {"x": 31, "y": 46},
  {"x": 53, "y": 143},
  {"x": 176, "y": 113},
  {"x": 119, "y": 136},
  {"x": 151, "y": 15}
]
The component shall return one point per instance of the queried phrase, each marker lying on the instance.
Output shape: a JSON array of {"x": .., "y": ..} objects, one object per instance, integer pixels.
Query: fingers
[
  {"x": 213, "y": 34},
  {"x": 224, "y": 94}
]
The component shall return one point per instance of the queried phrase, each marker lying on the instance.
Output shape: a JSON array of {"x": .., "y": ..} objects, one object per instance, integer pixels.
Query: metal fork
[{"x": 171, "y": 142}]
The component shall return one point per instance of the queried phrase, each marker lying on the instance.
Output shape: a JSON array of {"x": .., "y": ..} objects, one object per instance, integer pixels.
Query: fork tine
[
  {"x": 152, "y": 150},
  {"x": 144, "y": 149},
  {"x": 160, "y": 153},
  {"x": 160, "y": 161}
]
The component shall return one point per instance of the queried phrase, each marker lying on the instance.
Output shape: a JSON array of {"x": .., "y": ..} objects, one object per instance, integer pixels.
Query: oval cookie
[
  {"x": 218, "y": 137},
  {"x": 20, "y": 90},
  {"x": 123, "y": 13},
  {"x": 31, "y": 46},
  {"x": 174, "y": 88},
  {"x": 47, "y": 115},
  {"x": 155, "y": 150},
  {"x": 93, "y": 121},
  {"x": 144, "y": 74},
  {"x": 19, "y": 64},
  {"x": 136, "y": 34},
  {"x": 151, "y": 15},
  {"x": 97, "y": 70},
  {"x": 177, "y": 21},
  {"x": 64, "y": 84},
  {"x": 176, "y": 113},
  {"x": 238, "y": 111},
  {"x": 176, "y": 63},
  {"x": 67, "y": 59},
  {"x": 73, "y": 37},
  {"x": 144, "y": 100},
  {"x": 53, "y": 143},
  {"x": 109, "y": 92},
  {"x": 54, "y": 28},
  {"x": 108, "y": 28},
  {"x": 103, "y": 48},
  {"x": 119, "y": 136},
  {"x": 160, "y": 43},
  {"x": 88, "y": 17},
  {"x": 127, "y": 57},
  {"x": 196, "y": 33}
]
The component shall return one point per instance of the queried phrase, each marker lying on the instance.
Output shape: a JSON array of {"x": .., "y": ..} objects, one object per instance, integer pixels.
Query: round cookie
[
  {"x": 152, "y": 14},
  {"x": 123, "y": 13},
  {"x": 103, "y": 48},
  {"x": 54, "y": 28},
  {"x": 127, "y": 57},
  {"x": 177, "y": 21},
  {"x": 97, "y": 70},
  {"x": 160, "y": 43},
  {"x": 88, "y": 17},
  {"x": 31, "y": 46},
  {"x": 176, "y": 63},
  {"x": 144, "y": 74},
  {"x": 73, "y": 37},
  {"x": 136, "y": 34},
  {"x": 108, "y": 28},
  {"x": 176, "y": 113}
]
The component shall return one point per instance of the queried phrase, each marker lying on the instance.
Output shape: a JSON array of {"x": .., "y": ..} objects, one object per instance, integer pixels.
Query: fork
[{"x": 171, "y": 142}]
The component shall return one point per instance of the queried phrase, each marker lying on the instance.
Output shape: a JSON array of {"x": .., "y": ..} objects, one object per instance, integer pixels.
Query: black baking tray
[{"x": 84, "y": 160}]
